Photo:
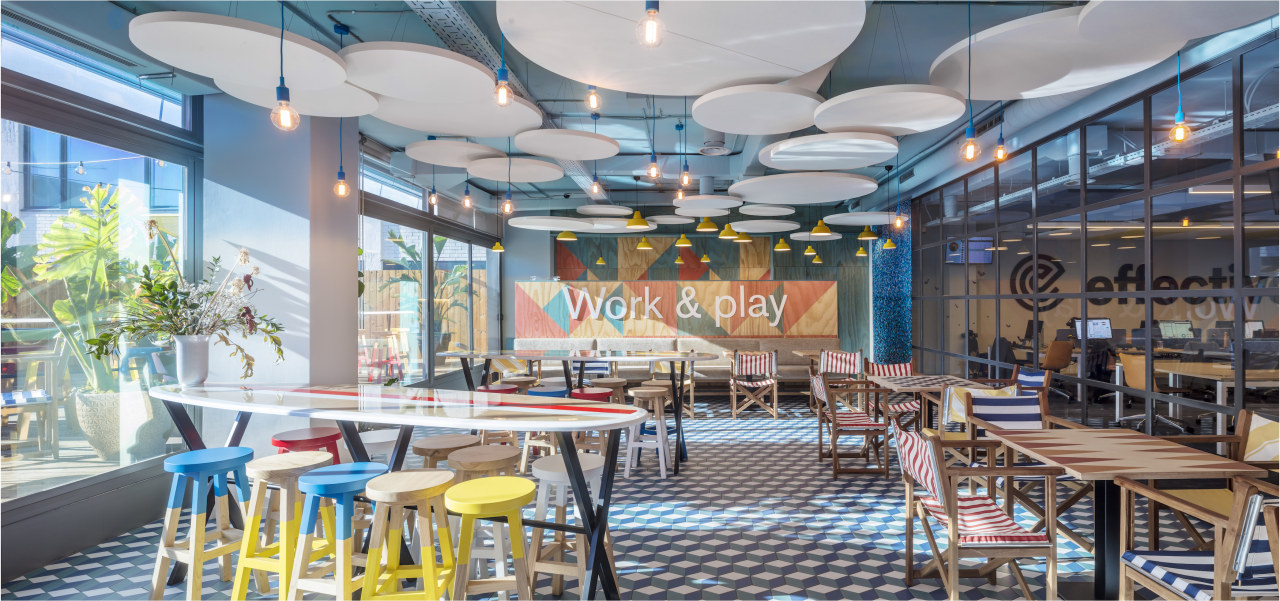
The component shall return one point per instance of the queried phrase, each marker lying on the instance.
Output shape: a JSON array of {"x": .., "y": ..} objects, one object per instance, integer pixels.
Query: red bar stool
[
  {"x": 592, "y": 394},
  {"x": 591, "y": 440},
  {"x": 495, "y": 436},
  {"x": 308, "y": 439},
  {"x": 498, "y": 388}
]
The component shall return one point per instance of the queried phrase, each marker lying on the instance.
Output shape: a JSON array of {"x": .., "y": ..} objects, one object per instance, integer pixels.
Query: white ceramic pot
[{"x": 193, "y": 359}]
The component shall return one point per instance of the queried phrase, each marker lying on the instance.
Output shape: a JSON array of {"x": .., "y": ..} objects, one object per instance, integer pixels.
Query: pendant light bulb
[
  {"x": 283, "y": 116},
  {"x": 595, "y": 185},
  {"x": 502, "y": 91},
  {"x": 728, "y": 233},
  {"x": 1000, "y": 153},
  {"x": 707, "y": 225},
  {"x": 679, "y": 193},
  {"x": 653, "y": 171},
  {"x": 80, "y": 168},
  {"x": 506, "y": 204},
  {"x": 593, "y": 98},
  {"x": 781, "y": 246},
  {"x": 1186, "y": 222},
  {"x": 809, "y": 252},
  {"x": 567, "y": 236},
  {"x": 433, "y": 198},
  {"x": 466, "y": 197},
  {"x": 742, "y": 238},
  {"x": 969, "y": 151},
  {"x": 650, "y": 30},
  {"x": 897, "y": 222},
  {"x": 340, "y": 188},
  {"x": 1180, "y": 130},
  {"x": 685, "y": 178}
]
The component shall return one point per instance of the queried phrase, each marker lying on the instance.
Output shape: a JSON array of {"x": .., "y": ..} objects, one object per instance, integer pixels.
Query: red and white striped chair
[
  {"x": 976, "y": 525},
  {"x": 838, "y": 423},
  {"x": 755, "y": 374},
  {"x": 889, "y": 409},
  {"x": 838, "y": 363}
]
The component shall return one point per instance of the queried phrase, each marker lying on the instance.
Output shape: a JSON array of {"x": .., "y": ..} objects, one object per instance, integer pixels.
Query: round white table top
[
  {"x": 586, "y": 356},
  {"x": 374, "y": 403}
]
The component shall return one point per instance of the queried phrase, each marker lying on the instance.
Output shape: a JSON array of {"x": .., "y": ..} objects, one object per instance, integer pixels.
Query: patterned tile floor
[{"x": 752, "y": 515}]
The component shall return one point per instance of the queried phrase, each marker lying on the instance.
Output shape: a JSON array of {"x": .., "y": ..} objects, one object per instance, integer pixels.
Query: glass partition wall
[{"x": 1143, "y": 271}]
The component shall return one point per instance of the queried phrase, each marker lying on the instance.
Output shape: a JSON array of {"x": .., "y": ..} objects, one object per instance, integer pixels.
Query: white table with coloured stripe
[{"x": 349, "y": 405}]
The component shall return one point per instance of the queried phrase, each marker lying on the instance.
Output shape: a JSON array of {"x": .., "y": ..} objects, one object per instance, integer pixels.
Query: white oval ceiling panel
[
  {"x": 1045, "y": 55},
  {"x": 860, "y": 218},
  {"x": 669, "y": 219},
  {"x": 459, "y": 116},
  {"x": 764, "y": 226},
  {"x": 707, "y": 45},
  {"x": 415, "y": 71},
  {"x": 766, "y": 210},
  {"x": 450, "y": 153},
  {"x": 551, "y": 224},
  {"x": 605, "y": 210},
  {"x": 807, "y": 237},
  {"x": 757, "y": 109},
  {"x": 824, "y": 152},
  {"x": 345, "y": 100},
  {"x": 817, "y": 187},
  {"x": 692, "y": 212},
  {"x": 566, "y": 144},
  {"x": 519, "y": 169},
  {"x": 235, "y": 50},
  {"x": 896, "y": 110},
  {"x": 1105, "y": 19},
  {"x": 708, "y": 201}
]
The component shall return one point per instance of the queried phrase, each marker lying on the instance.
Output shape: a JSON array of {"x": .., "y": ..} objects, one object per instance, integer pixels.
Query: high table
[
  {"x": 1102, "y": 456},
  {"x": 410, "y": 407},
  {"x": 582, "y": 357}
]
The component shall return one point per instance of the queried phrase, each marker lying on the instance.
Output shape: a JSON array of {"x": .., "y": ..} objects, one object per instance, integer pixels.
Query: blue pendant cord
[
  {"x": 281, "y": 42},
  {"x": 1002, "y": 122},
  {"x": 1179, "y": 81},
  {"x": 508, "y": 168},
  {"x": 969, "y": 69},
  {"x": 341, "y": 39}
]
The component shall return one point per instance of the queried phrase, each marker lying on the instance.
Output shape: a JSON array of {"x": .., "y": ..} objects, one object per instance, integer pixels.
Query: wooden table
[
  {"x": 920, "y": 384},
  {"x": 1102, "y": 456},
  {"x": 410, "y": 407}
]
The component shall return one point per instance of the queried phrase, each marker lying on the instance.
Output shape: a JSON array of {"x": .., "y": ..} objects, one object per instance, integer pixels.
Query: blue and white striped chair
[
  {"x": 1025, "y": 412},
  {"x": 1249, "y": 538},
  {"x": 25, "y": 404}
]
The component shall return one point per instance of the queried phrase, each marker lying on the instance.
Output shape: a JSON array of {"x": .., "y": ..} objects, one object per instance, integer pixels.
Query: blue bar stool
[
  {"x": 337, "y": 484},
  {"x": 558, "y": 392},
  {"x": 204, "y": 468}
]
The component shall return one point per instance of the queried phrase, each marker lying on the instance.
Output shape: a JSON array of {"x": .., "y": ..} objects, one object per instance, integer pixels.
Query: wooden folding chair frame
[
  {"x": 875, "y": 448},
  {"x": 756, "y": 395}
]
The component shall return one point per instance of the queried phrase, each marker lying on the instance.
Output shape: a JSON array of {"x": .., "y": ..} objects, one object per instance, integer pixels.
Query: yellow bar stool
[
  {"x": 549, "y": 558},
  {"x": 259, "y": 556},
  {"x": 393, "y": 495},
  {"x": 498, "y": 496},
  {"x": 434, "y": 449}
]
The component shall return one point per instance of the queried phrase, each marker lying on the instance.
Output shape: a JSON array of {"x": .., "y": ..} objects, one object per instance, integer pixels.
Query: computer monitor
[
  {"x": 1224, "y": 323},
  {"x": 1093, "y": 329},
  {"x": 1252, "y": 327},
  {"x": 1176, "y": 330},
  {"x": 1033, "y": 327}
]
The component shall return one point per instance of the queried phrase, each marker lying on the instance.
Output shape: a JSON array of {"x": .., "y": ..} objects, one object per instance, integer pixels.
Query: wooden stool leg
[
  {"x": 394, "y": 539},
  {"x": 515, "y": 527},
  {"x": 306, "y": 536},
  {"x": 461, "y": 573},
  {"x": 373, "y": 563},
  {"x": 249, "y": 542},
  {"x": 195, "y": 539},
  {"x": 344, "y": 567},
  {"x": 557, "y": 580},
  {"x": 167, "y": 536}
]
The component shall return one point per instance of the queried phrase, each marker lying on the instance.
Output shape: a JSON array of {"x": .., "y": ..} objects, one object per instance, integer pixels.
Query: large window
[
  {"x": 77, "y": 218},
  {"x": 1170, "y": 251}
]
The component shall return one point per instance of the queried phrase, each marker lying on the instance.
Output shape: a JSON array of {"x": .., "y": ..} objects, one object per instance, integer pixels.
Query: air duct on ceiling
[
  {"x": 713, "y": 143},
  {"x": 707, "y": 183}
]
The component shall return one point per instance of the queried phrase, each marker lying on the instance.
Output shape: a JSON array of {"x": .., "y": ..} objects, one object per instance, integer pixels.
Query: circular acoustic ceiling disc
[
  {"x": 345, "y": 100},
  {"x": 757, "y": 109},
  {"x": 611, "y": 225},
  {"x": 1103, "y": 19},
  {"x": 692, "y": 212},
  {"x": 860, "y": 218},
  {"x": 385, "y": 68},
  {"x": 766, "y": 210},
  {"x": 235, "y": 50},
  {"x": 551, "y": 224},
  {"x": 520, "y": 170},
  {"x": 808, "y": 188},
  {"x": 822, "y": 152},
  {"x": 707, "y": 201},
  {"x": 450, "y": 153},
  {"x": 461, "y": 116},
  {"x": 1045, "y": 55},
  {"x": 764, "y": 226},
  {"x": 566, "y": 144},
  {"x": 896, "y": 110},
  {"x": 807, "y": 237},
  {"x": 669, "y": 219},
  {"x": 605, "y": 210},
  {"x": 707, "y": 45}
]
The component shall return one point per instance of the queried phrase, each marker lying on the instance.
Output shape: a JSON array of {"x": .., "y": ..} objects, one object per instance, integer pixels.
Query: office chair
[
  {"x": 1056, "y": 358},
  {"x": 1135, "y": 376}
]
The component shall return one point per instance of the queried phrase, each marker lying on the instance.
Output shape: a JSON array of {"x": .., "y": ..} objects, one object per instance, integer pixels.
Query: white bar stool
[
  {"x": 655, "y": 400},
  {"x": 553, "y": 479}
]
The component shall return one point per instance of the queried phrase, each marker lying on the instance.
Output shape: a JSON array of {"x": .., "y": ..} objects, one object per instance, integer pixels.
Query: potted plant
[{"x": 166, "y": 306}]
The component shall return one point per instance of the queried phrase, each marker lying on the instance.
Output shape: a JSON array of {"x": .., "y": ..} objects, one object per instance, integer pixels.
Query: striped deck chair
[
  {"x": 976, "y": 525},
  {"x": 837, "y": 423},
  {"x": 755, "y": 374},
  {"x": 1243, "y": 564},
  {"x": 845, "y": 366}
]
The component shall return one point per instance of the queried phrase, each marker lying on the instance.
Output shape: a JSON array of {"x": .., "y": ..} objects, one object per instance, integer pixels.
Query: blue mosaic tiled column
[{"x": 891, "y": 295}]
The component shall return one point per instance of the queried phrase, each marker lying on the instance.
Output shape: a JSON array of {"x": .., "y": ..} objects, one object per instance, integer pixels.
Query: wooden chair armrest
[
  {"x": 1262, "y": 485},
  {"x": 1173, "y": 502},
  {"x": 930, "y": 397},
  {"x": 962, "y": 444},
  {"x": 1266, "y": 465},
  {"x": 1066, "y": 423},
  {"x": 1201, "y": 438},
  {"x": 991, "y": 381},
  {"x": 1047, "y": 470},
  {"x": 980, "y": 423}
]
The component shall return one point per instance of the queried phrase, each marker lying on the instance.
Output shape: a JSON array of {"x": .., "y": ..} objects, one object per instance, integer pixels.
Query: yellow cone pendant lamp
[
  {"x": 817, "y": 260},
  {"x": 679, "y": 260},
  {"x": 728, "y": 233},
  {"x": 781, "y": 246},
  {"x": 889, "y": 245},
  {"x": 820, "y": 230},
  {"x": 706, "y": 259},
  {"x": 867, "y": 234},
  {"x": 683, "y": 242},
  {"x": 809, "y": 252},
  {"x": 742, "y": 238},
  {"x": 862, "y": 252},
  {"x": 706, "y": 225},
  {"x": 497, "y": 247},
  {"x": 567, "y": 236},
  {"x": 644, "y": 244},
  {"x": 637, "y": 222},
  {"x": 600, "y": 261}
]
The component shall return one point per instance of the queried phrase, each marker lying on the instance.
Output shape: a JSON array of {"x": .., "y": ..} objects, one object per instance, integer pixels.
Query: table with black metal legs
[
  {"x": 408, "y": 408},
  {"x": 679, "y": 363}
]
